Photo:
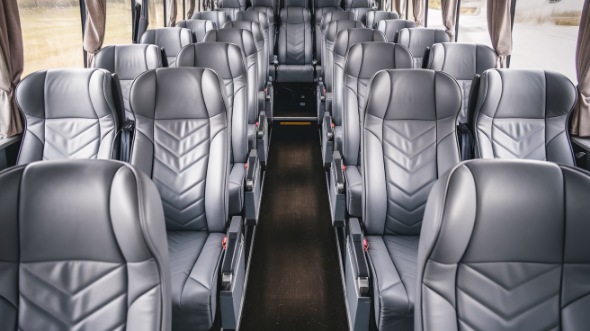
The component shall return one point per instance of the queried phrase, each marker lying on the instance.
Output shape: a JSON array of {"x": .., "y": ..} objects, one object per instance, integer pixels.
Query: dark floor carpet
[
  {"x": 295, "y": 100},
  {"x": 294, "y": 279}
]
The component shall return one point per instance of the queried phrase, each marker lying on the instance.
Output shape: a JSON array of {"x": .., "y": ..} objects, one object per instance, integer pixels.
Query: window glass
[
  {"x": 118, "y": 26},
  {"x": 545, "y": 35},
  {"x": 435, "y": 14},
  {"x": 473, "y": 22},
  {"x": 52, "y": 34},
  {"x": 156, "y": 14}
]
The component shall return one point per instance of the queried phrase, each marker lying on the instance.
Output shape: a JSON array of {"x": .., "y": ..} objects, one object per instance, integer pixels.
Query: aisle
[{"x": 294, "y": 277}]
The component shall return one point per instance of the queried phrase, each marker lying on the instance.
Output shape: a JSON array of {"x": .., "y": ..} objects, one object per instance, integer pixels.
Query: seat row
[{"x": 399, "y": 132}]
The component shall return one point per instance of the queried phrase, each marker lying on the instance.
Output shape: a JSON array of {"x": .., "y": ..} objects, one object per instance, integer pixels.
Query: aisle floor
[{"x": 294, "y": 282}]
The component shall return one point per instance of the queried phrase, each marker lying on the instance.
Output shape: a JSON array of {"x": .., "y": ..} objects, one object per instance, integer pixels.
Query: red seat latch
[
  {"x": 365, "y": 244},
  {"x": 224, "y": 243}
]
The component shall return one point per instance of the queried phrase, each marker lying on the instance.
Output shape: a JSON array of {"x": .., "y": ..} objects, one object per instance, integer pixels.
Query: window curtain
[
  {"x": 11, "y": 67},
  {"x": 418, "y": 9},
  {"x": 94, "y": 29},
  {"x": 396, "y": 5},
  {"x": 172, "y": 10},
  {"x": 191, "y": 8},
  {"x": 581, "y": 116},
  {"x": 499, "y": 27},
  {"x": 449, "y": 16}
]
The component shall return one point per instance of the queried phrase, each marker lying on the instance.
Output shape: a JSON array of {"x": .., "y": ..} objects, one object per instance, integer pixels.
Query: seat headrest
[
  {"x": 367, "y": 58},
  {"x": 129, "y": 61},
  {"x": 347, "y": 38},
  {"x": 199, "y": 28},
  {"x": 391, "y": 28},
  {"x": 336, "y": 26},
  {"x": 461, "y": 60}
]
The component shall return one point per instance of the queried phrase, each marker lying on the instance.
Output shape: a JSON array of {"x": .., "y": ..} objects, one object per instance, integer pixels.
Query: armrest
[
  {"x": 253, "y": 187},
  {"x": 251, "y": 170},
  {"x": 125, "y": 141},
  {"x": 262, "y": 138},
  {"x": 232, "y": 247},
  {"x": 327, "y": 139},
  {"x": 358, "y": 246},
  {"x": 338, "y": 168}
]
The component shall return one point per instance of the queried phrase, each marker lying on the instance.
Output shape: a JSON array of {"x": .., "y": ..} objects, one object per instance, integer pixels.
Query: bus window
[
  {"x": 473, "y": 22},
  {"x": 545, "y": 35},
  {"x": 118, "y": 25},
  {"x": 435, "y": 15},
  {"x": 156, "y": 14},
  {"x": 52, "y": 34}
]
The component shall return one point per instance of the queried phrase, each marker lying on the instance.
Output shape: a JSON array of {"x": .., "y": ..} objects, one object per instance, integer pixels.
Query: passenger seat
[
  {"x": 199, "y": 28},
  {"x": 523, "y": 114},
  {"x": 322, "y": 7},
  {"x": 267, "y": 7},
  {"x": 295, "y": 60},
  {"x": 171, "y": 40},
  {"x": 391, "y": 28},
  {"x": 128, "y": 62},
  {"x": 376, "y": 16},
  {"x": 83, "y": 247},
  {"x": 269, "y": 35},
  {"x": 359, "y": 8},
  {"x": 463, "y": 62},
  {"x": 505, "y": 246},
  {"x": 419, "y": 40},
  {"x": 182, "y": 142},
  {"x": 69, "y": 114},
  {"x": 231, "y": 8},
  {"x": 409, "y": 141},
  {"x": 217, "y": 17}
]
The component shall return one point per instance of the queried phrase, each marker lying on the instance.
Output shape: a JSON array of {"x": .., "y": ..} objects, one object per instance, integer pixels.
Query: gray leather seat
[
  {"x": 217, "y": 17},
  {"x": 199, "y": 28},
  {"x": 408, "y": 142},
  {"x": 419, "y": 41},
  {"x": 261, "y": 48},
  {"x": 227, "y": 61},
  {"x": 322, "y": 7},
  {"x": 462, "y": 61},
  {"x": 364, "y": 60},
  {"x": 332, "y": 31},
  {"x": 328, "y": 18},
  {"x": 245, "y": 41},
  {"x": 523, "y": 114},
  {"x": 128, "y": 62},
  {"x": 359, "y": 8},
  {"x": 171, "y": 40},
  {"x": 295, "y": 44},
  {"x": 182, "y": 142},
  {"x": 505, "y": 246},
  {"x": 376, "y": 16},
  {"x": 69, "y": 114},
  {"x": 83, "y": 247},
  {"x": 267, "y": 7},
  {"x": 391, "y": 28},
  {"x": 262, "y": 19},
  {"x": 231, "y": 8}
]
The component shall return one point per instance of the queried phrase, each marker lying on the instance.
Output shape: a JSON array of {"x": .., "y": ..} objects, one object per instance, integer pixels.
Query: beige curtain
[
  {"x": 396, "y": 6},
  {"x": 581, "y": 117},
  {"x": 172, "y": 13},
  {"x": 191, "y": 9},
  {"x": 96, "y": 14},
  {"x": 418, "y": 11},
  {"x": 11, "y": 67},
  {"x": 500, "y": 29},
  {"x": 449, "y": 16}
]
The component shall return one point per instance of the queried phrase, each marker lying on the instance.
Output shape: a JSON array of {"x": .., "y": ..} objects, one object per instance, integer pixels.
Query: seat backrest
[
  {"x": 332, "y": 32},
  {"x": 328, "y": 18},
  {"x": 199, "y": 28},
  {"x": 182, "y": 142},
  {"x": 227, "y": 61},
  {"x": 232, "y": 8},
  {"x": 419, "y": 40},
  {"x": 345, "y": 40},
  {"x": 326, "y": 4},
  {"x": 128, "y": 62},
  {"x": 523, "y": 114},
  {"x": 69, "y": 114},
  {"x": 364, "y": 60},
  {"x": 82, "y": 243},
  {"x": 505, "y": 246},
  {"x": 295, "y": 39},
  {"x": 376, "y": 16},
  {"x": 245, "y": 41},
  {"x": 409, "y": 140},
  {"x": 217, "y": 17},
  {"x": 359, "y": 8},
  {"x": 172, "y": 40},
  {"x": 322, "y": 7},
  {"x": 264, "y": 3},
  {"x": 296, "y": 4},
  {"x": 261, "y": 18},
  {"x": 391, "y": 28},
  {"x": 261, "y": 48},
  {"x": 462, "y": 61}
]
